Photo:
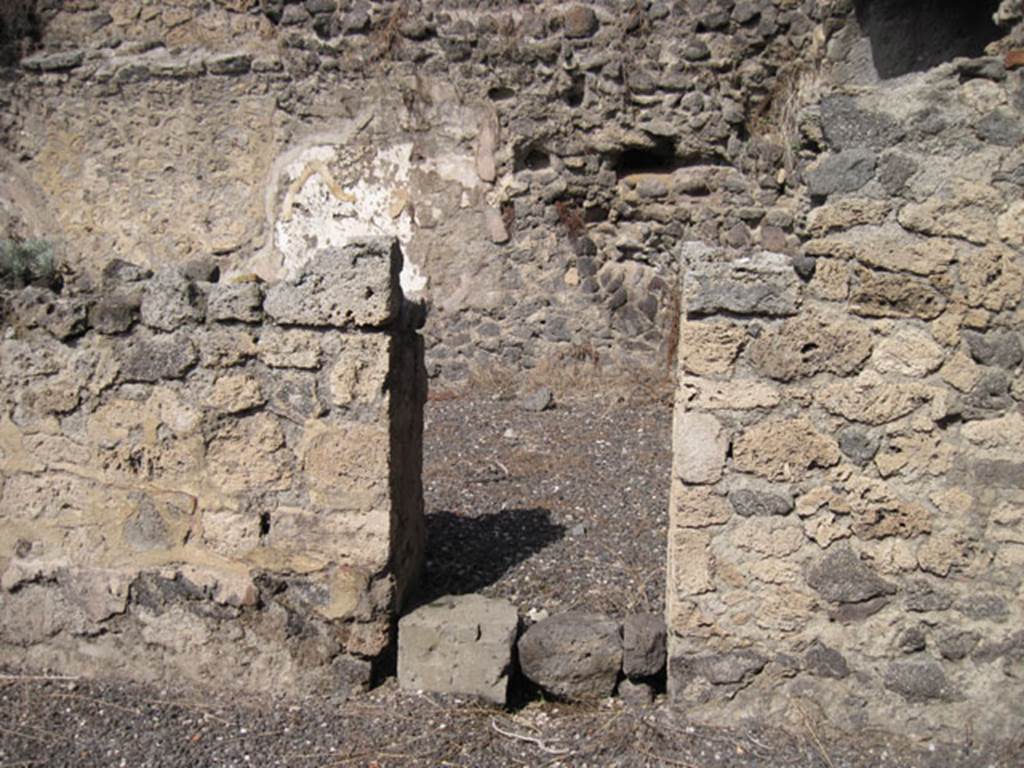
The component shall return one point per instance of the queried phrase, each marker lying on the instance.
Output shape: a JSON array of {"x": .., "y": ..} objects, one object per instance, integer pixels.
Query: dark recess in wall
[
  {"x": 500, "y": 93},
  {"x": 576, "y": 92},
  {"x": 915, "y": 35},
  {"x": 661, "y": 158},
  {"x": 531, "y": 158},
  {"x": 20, "y": 29}
]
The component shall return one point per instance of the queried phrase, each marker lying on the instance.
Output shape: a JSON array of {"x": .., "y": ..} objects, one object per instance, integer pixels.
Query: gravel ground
[
  {"x": 558, "y": 510},
  {"x": 554, "y": 510},
  {"x": 78, "y": 724}
]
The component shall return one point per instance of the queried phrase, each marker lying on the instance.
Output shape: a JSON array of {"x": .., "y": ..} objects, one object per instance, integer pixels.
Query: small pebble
[{"x": 539, "y": 400}]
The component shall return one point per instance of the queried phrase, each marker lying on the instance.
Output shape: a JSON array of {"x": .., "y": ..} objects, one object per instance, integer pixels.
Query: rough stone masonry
[
  {"x": 211, "y": 481},
  {"x": 847, "y": 512},
  {"x": 846, "y": 532},
  {"x": 541, "y": 163}
]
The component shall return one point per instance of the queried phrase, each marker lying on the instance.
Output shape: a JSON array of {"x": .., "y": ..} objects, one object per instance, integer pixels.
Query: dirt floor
[
  {"x": 559, "y": 509},
  {"x": 564, "y": 509},
  {"x": 77, "y": 724}
]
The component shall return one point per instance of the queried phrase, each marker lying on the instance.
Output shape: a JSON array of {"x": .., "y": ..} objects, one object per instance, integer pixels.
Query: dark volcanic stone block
[
  {"x": 573, "y": 655},
  {"x": 643, "y": 645},
  {"x": 764, "y": 284},
  {"x": 842, "y": 577}
]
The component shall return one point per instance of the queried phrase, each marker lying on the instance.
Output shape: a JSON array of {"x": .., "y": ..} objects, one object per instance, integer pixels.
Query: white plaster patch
[
  {"x": 457, "y": 168},
  {"x": 322, "y": 207}
]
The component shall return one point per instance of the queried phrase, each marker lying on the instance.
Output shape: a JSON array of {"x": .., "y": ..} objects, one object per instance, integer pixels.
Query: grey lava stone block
[
  {"x": 460, "y": 644},
  {"x": 762, "y": 284},
  {"x": 170, "y": 300},
  {"x": 636, "y": 694},
  {"x": 355, "y": 285},
  {"x": 241, "y": 301},
  {"x": 842, "y": 577},
  {"x": 643, "y": 645}
]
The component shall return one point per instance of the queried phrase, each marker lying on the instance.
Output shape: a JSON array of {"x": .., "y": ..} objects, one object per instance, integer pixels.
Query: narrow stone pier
[
  {"x": 845, "y": 503},
  {"x": 216, "y": 482}
]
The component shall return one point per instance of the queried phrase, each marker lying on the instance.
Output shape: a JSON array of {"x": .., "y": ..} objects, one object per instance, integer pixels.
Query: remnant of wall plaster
[{"x": 366, "y": 198}]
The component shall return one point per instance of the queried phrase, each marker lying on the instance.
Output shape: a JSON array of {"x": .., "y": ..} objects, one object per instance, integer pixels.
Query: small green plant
[{"x": 27, "y": 262}]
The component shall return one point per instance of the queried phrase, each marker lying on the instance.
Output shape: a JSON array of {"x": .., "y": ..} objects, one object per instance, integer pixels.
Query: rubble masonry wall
[
  {"x": 539, "y": 162},
  {"x": 211, "y": 481},
  {"x": 847, "y": 513}
]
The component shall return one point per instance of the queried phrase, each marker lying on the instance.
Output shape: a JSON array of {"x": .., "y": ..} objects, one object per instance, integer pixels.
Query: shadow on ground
[{"x": 466, "y": 554}]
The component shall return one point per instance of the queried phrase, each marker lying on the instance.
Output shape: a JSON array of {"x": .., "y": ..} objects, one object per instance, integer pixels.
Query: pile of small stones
[{"x": 471, "y": 645}]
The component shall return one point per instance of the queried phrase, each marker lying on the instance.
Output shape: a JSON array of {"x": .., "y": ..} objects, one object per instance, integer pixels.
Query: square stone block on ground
[{"x": 459, "y": 645}]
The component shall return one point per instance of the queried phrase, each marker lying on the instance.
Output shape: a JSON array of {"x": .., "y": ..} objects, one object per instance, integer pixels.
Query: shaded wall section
[
  {"x": 215, "y": 481},
  {"x": 916, "y": 35}
]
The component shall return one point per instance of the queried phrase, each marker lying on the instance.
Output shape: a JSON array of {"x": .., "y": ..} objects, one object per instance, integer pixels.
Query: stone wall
[
  {"x": 847, "y": 519},
  {"x": 540, "y": 162},
  {"x": 211, "y": 481},
  {"x": 846, "y": 527}
]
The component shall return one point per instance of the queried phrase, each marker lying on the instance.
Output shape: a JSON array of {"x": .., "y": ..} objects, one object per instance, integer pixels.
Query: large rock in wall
[
  {"x": 846, "y": 537},
  {"x": 212, "y": 480}
]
